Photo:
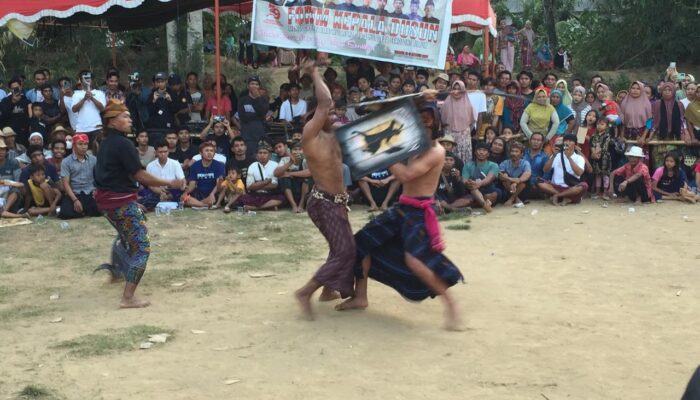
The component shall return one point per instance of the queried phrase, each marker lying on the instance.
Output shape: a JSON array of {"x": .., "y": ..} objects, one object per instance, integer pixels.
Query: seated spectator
[
  {"x": 567, "y": 168},
  {"x": 58, "y": 153},
  {"x": 36, "y": 123},
  {"x": 669, "y": 181},
  {"x": 261, "y": 183},
  {"x": 379, "y": 186},
  {"x": 448, "y": 142},
  {"x": 238, "y": 159},
  {"x": 36, "y": 157},
  {"x": 14, "y": 149},
  {"x": 204, "y": 178},
  {"x": 632, "y": 181},
  {"x": 450, "y": 187},
  {"x": 219, "y": 131},
  {"x": 42, "y": 196},
  {"x": 10, "y": 187},
  {"x": 230, "y": 189},
  {"x": 78, "y": 181},
  {"x": 171, "y": 139},
  {"x": 293, "y": 174},
  {"x": 480, "y": 179},
  {"x": 515, "y": 175},
  {"x": 537, "y": 158},
  {"x": 279, "y": 151},
  {"x": 146, "y": 153},
  {"x": 185, "y": 151},
  {"x": 165, "y": 168},
  {"x": 498, "y": 152}
]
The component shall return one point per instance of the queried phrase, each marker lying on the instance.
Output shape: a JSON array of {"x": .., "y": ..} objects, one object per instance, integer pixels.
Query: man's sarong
[
  {"x": 331, "y": 218},
  {"x": 387, "y": 238},
  {"x": 130, "y": 223}
]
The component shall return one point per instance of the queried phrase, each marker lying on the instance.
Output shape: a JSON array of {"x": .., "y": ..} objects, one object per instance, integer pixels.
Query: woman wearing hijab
[
  {"x": 118, "y": 172},
  {"x": 513, "y": 106},
  {"x": 527, "y": 44},
  {"x": 668, "y": 115},
  {"x": 579, "y": 106},
  {"x": 565, "y": 114},
  {"x": 564, "y": 88},
  {"x": 458, "y": 116},
  {"x": 635, "y": 112},
  {"x": 539, "y": 116},
  {"x": 692, "y": 116}
]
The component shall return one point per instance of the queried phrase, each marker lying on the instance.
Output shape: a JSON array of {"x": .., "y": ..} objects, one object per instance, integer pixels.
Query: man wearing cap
[
  {"x": 14, "y": 149},
  {"x": 441, "y": 83},
  {"x": 10, "y": 187},
  {"x": 428, "y": 10},
  {"x": 87, "y": 104},
  {"x": 415, "y": 6},
  {"x": 398, "y": 10},
  {"x": 632, "y": 181},
  {"x": 328, "y": 199},
  {"x": 252, "y": 112},
  {"x": 567, "y": 167},
  {"x": 450, "y": 145},
  {"x": 137, "y": 101},
  {"x": 161, "y": 109},
  {"x": 262, "y": 191},
  {"x": 15, "y": 111},
  {"x": 182, "y": 102},
  {"x": 78, "y": 181}
]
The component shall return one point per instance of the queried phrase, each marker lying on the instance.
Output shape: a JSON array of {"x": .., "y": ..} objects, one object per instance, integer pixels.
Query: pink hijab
[
  {"x": 635, "y": 112},
  {"x": 458, "y": 114}
]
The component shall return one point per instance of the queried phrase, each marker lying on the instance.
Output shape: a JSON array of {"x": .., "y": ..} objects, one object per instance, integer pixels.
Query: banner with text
[{"x": 414, "y": 34}]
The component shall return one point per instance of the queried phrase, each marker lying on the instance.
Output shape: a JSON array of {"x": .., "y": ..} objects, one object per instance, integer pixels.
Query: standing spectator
[
  {"x": 182, "y": 101},
  {"x": 196, "y": 95},
  {"x": 36, "y": 123},
  {"x": 601, "y": 159},
  {"x": 494, "y": 107},
  {"x": 252, "y": 111},
  {"x": 51, "y": 110},
  {"x": 161, "y": 109},
  {"x": 204, "y": 178},
  {"x": 513, "y": 106},
  {"x": 87, "y": 104},
  {"x": 15, "y": 111},
  {"x": 112, "y": 91},
  {"x": 566, "y": 186},
  {"x": 525, "y": 81},
  {"x": 458, "y": 118},
  {"x": 527, "y": 45},
  {"x": 692, "y": 117},
  {"x": 35, "y": 95},
  {"x": 137, "y": 101},
  {"x": 467, "y": 60},
  {"x": 222, "y": 107},
  {"x": 668, "y": 115},
  {"x": 261, "y": 183},
  {"x": 294, "y": 108},
  {"x": 477, "y": 98},
  {"x": 515, "y": 175},
  {"x": 579, "y": 106},
  {"x": 78, "y": 181},
  {"x": 690, "y": 92},
  {"x": 632, "y": 180},
  {"x": 540, "y": 116},
  {"x": 565, "y": 114},
  {"x": 636, "y": 113},
  {"x": 506, "y": 44}
]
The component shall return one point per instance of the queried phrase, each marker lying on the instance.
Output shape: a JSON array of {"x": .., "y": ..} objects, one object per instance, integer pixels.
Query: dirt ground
[{"x": 578, "y": 302}]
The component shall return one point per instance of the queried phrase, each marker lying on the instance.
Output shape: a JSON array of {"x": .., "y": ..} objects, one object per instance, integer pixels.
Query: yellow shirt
[
  {"x": 37, "y": 193},
  {"x": 238, "y": 186}
]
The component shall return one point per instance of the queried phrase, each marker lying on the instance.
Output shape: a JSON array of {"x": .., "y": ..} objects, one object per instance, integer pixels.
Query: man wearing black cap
[
  {"x": 160, "y": 108},
  {"x": 252, "y": 111},
  {"x": 567, "y": 168},
  {"x": 181, "y": 100}
]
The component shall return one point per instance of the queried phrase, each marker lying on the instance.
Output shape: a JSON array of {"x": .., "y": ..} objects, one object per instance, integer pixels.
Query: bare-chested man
[
  {"x": 327, "y": 205},
  {"x": 402, "y": 248}
]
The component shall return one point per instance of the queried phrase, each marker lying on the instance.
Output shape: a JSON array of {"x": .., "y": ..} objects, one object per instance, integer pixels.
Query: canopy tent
[
  {"x": 477, "y": 17},
  {"x": 243, "y": 9}
]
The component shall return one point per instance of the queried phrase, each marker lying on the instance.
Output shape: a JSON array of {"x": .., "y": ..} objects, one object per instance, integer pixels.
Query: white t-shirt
[
  {"x": 89, "y": 115},
  {"x": 72, "y": 117},
  {"x": 478, "y": 100},
  {"x": 558, "y": 172},
  {"x": 171, "y": 170},
  {"x": 254, "y": 173},
  {"x": 218, "y": 157},
  {"x": 296, "y": 110}
]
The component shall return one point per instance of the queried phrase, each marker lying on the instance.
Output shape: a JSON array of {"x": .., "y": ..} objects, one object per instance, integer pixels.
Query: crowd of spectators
[{"x": 511, "y": 138}]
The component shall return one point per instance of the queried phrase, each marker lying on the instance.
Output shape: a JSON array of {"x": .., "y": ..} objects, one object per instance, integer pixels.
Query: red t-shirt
[{"x": 211, "y": 108}]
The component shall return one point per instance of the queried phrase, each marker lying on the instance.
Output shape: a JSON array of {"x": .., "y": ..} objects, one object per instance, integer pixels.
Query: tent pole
[
  {"x": 487, "y": 52},
  {"x": 114, "y": 50},
  {"x": 218, "y": 56}
]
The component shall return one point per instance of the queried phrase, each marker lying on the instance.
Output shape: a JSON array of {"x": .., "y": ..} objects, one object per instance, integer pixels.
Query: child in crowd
[
  {"x": 591, "y": 126},
  {"x": 507, "y": 134},
  {"x": 489, "y": 135},
  {"x": 230, "y": 189},
  {"x": 609, "y": 108},
  {"x": 42, "y": 198},
  {"x": 341, "y": 110},
  {"x": 669, "y": 181},
  {"x": 600, "y": 158}
]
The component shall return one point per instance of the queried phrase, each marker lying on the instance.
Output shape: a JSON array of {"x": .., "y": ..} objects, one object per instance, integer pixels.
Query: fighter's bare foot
[
  {"x": 133, "y": 302},
  {"x": 304, "y": 300},
  {"x": 353, "y": 303}
]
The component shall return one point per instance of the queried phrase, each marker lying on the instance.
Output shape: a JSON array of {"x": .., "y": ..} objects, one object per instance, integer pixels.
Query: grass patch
[
  {"x": 21, "y": 312},
  {"x": 33, "y": 391},
  {"x": 457, "y": 215},
  {"x": 114, "y": 341},
  {"x": 5, "y": 292},
  {"x": 458, "y": 227},
  {"x": 257, "y": 262},
  {"x": 165, "y": 277}
]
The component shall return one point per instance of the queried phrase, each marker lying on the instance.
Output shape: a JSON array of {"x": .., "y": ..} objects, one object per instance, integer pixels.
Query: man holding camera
[
  {"x": 161, "y": 109},
  {"x": 15, "y": 111},
  {"x": 87, "y": 105},
  {"x": 567, "y": 168},
  {"x": 137, "y": 102}
]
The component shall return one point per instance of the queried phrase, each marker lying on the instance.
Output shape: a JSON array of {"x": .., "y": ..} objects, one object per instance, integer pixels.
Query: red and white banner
[{"x": 416, "y": 34}]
